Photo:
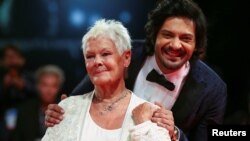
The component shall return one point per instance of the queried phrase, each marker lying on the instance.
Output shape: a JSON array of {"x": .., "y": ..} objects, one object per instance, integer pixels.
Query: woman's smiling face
[{"x": 104, "y": 64}]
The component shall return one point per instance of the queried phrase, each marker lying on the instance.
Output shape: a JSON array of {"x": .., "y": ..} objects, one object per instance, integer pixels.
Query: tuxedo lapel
[
  {"x": 132, "y": 73},
  {"x": 138, "y": 58},
  {"x": 189, "y": 97},
  {"x": 83, "y": 111}
]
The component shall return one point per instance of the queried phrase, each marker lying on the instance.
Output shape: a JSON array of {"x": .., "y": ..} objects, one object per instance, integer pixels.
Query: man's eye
[
  {"x": 166, "y": 35},
  {"x": 186, "y": 39}
]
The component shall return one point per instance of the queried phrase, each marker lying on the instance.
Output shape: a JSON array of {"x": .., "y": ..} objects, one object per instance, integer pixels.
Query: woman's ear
[{"x": 127, "y": 57}]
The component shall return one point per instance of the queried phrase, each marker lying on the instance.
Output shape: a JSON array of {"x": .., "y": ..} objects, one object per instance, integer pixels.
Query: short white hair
[{"x": 111, "y": 29}]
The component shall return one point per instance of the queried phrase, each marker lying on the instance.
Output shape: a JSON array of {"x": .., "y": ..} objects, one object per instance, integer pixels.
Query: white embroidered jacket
[{"x": 76, "y": 108}]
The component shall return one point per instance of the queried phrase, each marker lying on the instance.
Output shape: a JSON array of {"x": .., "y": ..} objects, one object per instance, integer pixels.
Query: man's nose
[{"x": 175, "y": 44}]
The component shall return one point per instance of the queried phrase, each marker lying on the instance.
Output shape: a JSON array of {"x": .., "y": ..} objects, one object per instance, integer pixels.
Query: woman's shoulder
[
  {"x": 75, "y": 100},
  {"x": 137, "y": 100},
  {"x": 74, "y": 107}
]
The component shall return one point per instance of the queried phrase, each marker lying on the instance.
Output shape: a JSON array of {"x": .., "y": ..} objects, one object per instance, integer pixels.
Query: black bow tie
[{"x": 154, "y": 76}]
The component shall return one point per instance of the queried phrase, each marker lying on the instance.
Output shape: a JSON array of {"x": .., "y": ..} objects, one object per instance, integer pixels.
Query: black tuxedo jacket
[{"x": 201, "y": 101}]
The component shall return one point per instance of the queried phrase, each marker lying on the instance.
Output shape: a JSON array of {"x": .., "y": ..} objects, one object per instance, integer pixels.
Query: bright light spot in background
[
  {"x": 93, "y": 18},
  {"x": 125, "y": 17},
  {"x": 5, "y": 8},
  {"x": 77, "y": 17}
]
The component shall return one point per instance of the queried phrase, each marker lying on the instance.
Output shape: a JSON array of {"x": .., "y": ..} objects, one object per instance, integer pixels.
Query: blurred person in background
[
  {"x": 16, "y": 86},
  {"x": 16, "y": 83},
  {"x": 30, "y": 120}
]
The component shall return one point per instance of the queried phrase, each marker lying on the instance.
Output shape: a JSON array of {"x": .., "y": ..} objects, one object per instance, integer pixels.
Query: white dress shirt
[{"x": 154, "y": 92}]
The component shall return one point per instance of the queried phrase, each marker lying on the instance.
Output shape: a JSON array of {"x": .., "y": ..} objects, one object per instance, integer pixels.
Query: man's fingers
[
  {"x": 164, "y": 118},
  {"x": 167, "y": 124},
  {"x": 162, "y": 115},
  {"x": 53, "y": 114},
  {"x": 159, "y": 104},
  {"x": 63, "y": 96},
  {"x": 56, "y": 108},
  {"x": 168, "y": 127},
  {"x": 50, "y": 121},
  {"x": 162, "y": 110},
  {"x": 163, "y": 121},
  {"x": 49, "y": 124}
]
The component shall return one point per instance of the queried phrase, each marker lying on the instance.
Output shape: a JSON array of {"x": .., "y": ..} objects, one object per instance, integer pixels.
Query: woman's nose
[{"x": 98, "y": 60}]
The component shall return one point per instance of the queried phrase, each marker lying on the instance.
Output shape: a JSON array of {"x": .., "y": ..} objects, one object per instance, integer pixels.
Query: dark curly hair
[{"x": 176, "y": 8}]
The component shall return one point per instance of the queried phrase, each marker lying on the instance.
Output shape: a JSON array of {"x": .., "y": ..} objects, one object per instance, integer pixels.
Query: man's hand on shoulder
[
  {"x": 164, "y": 118},
  {"x": 54, "y": 113}
]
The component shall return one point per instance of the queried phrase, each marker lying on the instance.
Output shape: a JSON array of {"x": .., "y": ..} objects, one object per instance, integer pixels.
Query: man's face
[
  {"x": 175, "y": 43},
  {"x": 48, "y": 87}
]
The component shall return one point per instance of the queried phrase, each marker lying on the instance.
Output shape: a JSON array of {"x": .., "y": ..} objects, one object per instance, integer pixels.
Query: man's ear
[{"x": 127, "y": 57}]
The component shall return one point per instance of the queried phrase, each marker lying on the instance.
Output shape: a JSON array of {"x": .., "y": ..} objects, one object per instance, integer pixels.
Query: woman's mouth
[{"x": 97, "y": 71}]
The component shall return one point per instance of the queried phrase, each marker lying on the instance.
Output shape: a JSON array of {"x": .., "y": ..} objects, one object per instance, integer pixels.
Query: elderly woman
[{"x": 110, "y": 112}]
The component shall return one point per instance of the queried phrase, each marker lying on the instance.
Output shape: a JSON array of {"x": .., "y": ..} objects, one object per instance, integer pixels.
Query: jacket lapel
[
  {"x": 132, "y": 75},
  {"x": 83, "y": 109},
  {"x": 190, "y": 96},
  {"x": 135, "y": 66}
]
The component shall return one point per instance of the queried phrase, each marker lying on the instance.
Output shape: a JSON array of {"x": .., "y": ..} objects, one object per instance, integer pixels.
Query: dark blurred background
[{"x": 50, "y": 32}]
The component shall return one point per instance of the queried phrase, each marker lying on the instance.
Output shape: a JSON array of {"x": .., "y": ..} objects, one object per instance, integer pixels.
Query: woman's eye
[
  {"x": 89, "y": 57},
  {"x": 106, "y": 54}
]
